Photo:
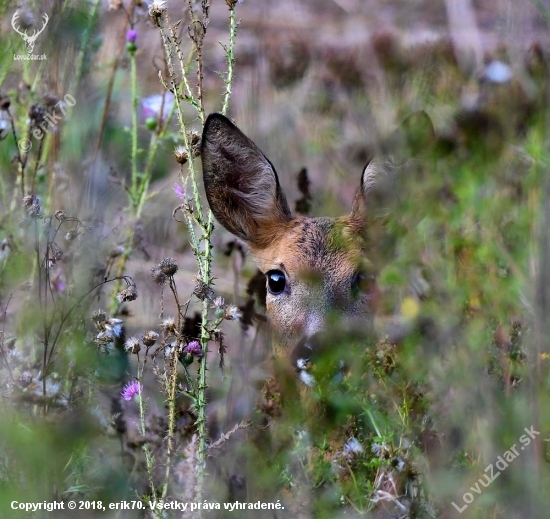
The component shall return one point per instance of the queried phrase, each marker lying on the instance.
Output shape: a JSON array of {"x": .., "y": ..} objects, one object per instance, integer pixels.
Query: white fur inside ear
[{"x": 370, "y": 173}]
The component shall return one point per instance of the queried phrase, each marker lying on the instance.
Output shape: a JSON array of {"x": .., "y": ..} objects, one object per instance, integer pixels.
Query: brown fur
[{"x": 320, "y": 257}]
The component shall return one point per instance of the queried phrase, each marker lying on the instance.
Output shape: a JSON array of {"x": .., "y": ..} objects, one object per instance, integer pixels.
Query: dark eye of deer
[
  {"x": 364, "y": 282},
  {"x": 276, "y": 282}
]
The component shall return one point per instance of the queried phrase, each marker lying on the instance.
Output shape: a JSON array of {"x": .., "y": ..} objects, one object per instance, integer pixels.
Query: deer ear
[
  {"x": 377, "y": 191},
  {"x": 241, "y": 185}
]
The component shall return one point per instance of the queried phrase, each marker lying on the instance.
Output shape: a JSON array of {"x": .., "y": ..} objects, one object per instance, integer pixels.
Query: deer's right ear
[{"x": 241, "y": 185}]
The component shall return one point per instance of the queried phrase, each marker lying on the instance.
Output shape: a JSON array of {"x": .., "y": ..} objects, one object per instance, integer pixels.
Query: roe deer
[{"x": 313, "y": 266}]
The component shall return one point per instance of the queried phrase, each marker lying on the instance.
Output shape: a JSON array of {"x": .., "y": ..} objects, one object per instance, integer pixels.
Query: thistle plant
[{"x": 176, "y": 350}]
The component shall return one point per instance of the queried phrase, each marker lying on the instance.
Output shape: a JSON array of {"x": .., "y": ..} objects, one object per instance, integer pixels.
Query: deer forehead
[{"x": 318, "y": 247}]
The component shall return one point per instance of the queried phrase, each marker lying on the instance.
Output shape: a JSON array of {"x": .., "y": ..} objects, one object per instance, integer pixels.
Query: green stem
[
  {"x": 146, "y": 450},
  {"x": 134, "y": 186},
  {"x": 230, "y": 51},
  {"x": 202, "y": 385},
  {"x": 171, "y": 415}
]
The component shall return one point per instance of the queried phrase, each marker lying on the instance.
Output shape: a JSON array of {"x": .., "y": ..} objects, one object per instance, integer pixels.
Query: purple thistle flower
[
  {"x": 131, "y": 390},
  {"x": 131, "y": 36},
  {"x": 194, "y": 348},
  {"x": 180, "y": 191}
]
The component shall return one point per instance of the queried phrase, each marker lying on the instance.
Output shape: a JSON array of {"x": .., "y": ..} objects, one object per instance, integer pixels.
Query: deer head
[{"x": 314, "y": 267}]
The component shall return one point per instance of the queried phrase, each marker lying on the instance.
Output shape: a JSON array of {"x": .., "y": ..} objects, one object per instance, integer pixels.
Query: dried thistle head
[
  {"x": 132, "y": 345},
  {"x": 130, "y": 293},
  {"x": 158, "y": 276},
  {"x": 156, "y": 9},
  {"x": 72, "y": 234},
  {"x": 195, "y": 138},
  {"x": 203, "y": 291},
  {"x": 99, "y": 317},
  {"x": 181, "y": 154},
  {"x": 105, "y": 337},
  {"x": 168, "y": 266},
  {"x": 149, "y": 338},
  {"x": 54, "y": 256},
  {"x": 32, "y": 204},
  {"x": 169, "y": 325},
  {"x": 37, "y": 113},
  {"x": 232, "y": 313}
]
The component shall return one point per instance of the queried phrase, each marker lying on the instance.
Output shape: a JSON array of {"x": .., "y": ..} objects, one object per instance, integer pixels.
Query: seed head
[
  {"x": 168, "y": 266},
  {"x": 158, "y": 276},
  {"x": 132, "y": 345},
  {"x": 99, "y": 317},
  {"x": 168, "y": 325},
  {"x": 71, "y": 234},
  {"x": 128, "y": 294},
  {"x": 156, "y": 10},
  {"x": 105, "y": 337},
  {"x": 195, "y": 138},
  {"x": 232, "y": 313},
  {"x": 202, "y": 290},
  {"x": 60, "y": 215},
  {"x": 37, "y": 113},
  {"x": 149, "y": 338},
  {"x": 181, "y": 155},
  {"x": 32, "y": 204}
]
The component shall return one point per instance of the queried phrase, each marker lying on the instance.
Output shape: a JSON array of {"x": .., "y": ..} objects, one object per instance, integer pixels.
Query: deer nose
[{"x": 305, "y": 349}]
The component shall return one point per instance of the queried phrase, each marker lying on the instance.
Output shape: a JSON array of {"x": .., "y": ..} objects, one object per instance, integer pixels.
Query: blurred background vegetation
[{"x": 456, "y": 91}]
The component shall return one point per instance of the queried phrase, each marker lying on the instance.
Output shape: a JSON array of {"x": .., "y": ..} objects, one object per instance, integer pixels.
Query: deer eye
[
  {"x": 364, "y": 281},
  {"x": 276, "y": 282}
]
